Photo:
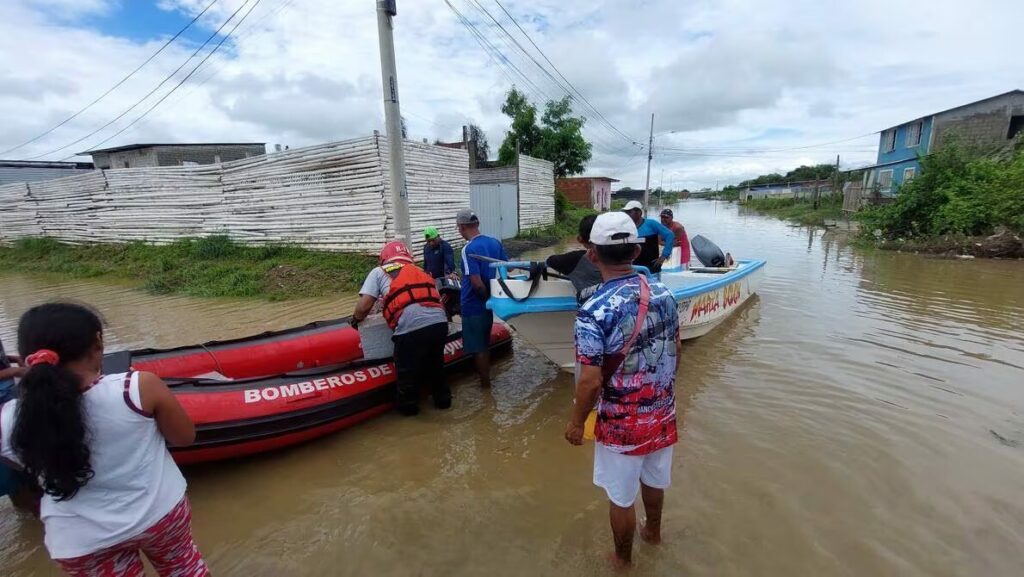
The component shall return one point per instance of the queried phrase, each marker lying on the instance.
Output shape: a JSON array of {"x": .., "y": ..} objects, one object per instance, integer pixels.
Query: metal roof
[
  {"x": 45, "y": 164},
  {"x": 168, "y": 144},
  {"x": 608, "y": 178},
  {"x": 1020, "y": 92}
]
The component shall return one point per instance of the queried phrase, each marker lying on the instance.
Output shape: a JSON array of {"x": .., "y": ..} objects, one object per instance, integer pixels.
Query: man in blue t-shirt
[
  {"x": 649, "y": 230},
  {"x": 476, "y": 288}
]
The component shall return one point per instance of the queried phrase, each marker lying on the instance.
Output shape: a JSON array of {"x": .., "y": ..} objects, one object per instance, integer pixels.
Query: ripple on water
[{"x": 863, "y": 415}]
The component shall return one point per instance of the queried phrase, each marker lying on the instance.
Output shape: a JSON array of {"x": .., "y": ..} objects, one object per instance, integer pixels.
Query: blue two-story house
[{"x": 986, "y": 123}]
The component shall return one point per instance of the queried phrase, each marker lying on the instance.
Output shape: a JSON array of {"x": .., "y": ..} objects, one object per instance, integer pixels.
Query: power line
[
  {"x": 185, "y": 79},
  {"x": 559, "y": 72},
  {"x": 819, "y": 145},
  {"x": 151, "y": 92},
  {"x": 681, "y": 152},
  {"x": 541, "y": 66},
  {"x": 251, "y": 29},
  {"x": 114, "y": 87},
  {"x": 491, "y": 50}
]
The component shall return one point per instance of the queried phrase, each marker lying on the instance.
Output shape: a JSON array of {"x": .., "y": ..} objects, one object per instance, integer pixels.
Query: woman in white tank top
[{"x": 98, "y": 445}]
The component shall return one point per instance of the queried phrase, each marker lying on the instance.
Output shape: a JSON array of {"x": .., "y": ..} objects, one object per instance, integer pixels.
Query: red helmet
[{"x": 395, "y": 250}]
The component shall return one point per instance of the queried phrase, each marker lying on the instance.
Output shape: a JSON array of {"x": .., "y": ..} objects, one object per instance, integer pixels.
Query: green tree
[
  {"x": 959, "y": 191},
  {"x": 559, "y": 137},
  {"x": 822, "y": 171},
  {"x": 483, "y": 149},
  {"x": 562, "y": 139},
  {"x": 524, "y": 129}
]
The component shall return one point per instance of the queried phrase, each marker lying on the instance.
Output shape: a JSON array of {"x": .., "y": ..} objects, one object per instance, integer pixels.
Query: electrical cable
[
  {"x": 540, "y": 66},
  {"x": 559, "y": 72},
  {"x": 183, "y": 80},
  {"x": 115, "y": 86},
  {"x": 151, "y": 92}
]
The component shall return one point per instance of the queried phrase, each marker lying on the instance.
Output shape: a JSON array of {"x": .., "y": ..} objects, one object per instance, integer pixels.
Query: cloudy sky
[{"x": 738, "y": 87}]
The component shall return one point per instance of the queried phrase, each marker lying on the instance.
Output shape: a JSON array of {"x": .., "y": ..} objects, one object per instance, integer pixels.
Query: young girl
[{"x": 98, "y": 445}]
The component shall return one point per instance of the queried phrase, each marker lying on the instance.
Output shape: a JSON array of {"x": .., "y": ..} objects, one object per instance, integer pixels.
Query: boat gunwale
[
  {"x": 566, "y": 303},
  {"x": 193, "y": 385}
]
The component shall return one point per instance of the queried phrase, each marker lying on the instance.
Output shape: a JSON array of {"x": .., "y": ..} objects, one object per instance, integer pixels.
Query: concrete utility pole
[
  {"x": 386, "y": 11},
  {"x": 650, "y": 155},
  {"x": 836, "y": 188}
]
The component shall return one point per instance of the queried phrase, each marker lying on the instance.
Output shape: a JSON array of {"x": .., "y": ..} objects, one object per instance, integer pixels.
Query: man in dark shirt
[
  {"x": 584, "y": 275},
  {"x": 438, "y": 257}
]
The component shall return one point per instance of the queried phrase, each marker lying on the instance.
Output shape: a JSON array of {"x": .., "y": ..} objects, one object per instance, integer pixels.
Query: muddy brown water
[{"x": 864, "y": 415}]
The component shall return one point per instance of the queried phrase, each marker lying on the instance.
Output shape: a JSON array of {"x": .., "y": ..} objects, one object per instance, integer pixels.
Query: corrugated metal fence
[
  {"x": 333, "y": 196},
  {"x": 536, "y": 192},
  {"x": 509, "y": 199}
]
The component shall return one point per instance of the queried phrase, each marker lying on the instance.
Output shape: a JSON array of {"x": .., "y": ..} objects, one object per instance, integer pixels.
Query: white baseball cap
[
  {"x": 614, "y": 228},
  {"x": 633, "y": 205}
]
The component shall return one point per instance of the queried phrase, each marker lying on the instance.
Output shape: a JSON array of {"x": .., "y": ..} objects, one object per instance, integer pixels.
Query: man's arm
[
  {"x": 474, "y": 271},
  {"x": 587, "y": 389},
  {"x": 479, "y": 286},
  {"x": 363, "y": 306},
  {"x": 15, "y": 370},
  {"x": 12, "y": 372},
  {"x": 666, "y": 237},
  {"x": 449, "y": 258},
  {"x": 564, "y": 263}
]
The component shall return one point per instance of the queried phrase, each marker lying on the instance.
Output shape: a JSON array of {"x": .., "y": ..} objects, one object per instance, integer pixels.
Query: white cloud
[{"x": 725, "y": 78}]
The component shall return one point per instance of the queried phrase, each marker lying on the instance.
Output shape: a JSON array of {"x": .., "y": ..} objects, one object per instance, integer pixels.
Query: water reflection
[{"x": 863, "y": 416}]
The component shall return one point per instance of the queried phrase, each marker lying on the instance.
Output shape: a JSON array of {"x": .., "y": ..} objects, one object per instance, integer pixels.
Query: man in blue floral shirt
[{"x": 629, "y": 371}]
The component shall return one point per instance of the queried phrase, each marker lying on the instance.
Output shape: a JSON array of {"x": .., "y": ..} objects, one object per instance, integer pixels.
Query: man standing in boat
[
  {"x": 649, "y": 230},
  {"x": 627, "y": 346},
  {"x": 682, "y": 241},
  {"x": 412, "y": 308},
  {"x": 476, "y": 288}
]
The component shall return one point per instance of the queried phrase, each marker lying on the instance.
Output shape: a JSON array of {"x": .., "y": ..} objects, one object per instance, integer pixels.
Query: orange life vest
[{"x": 409, "y": 285}]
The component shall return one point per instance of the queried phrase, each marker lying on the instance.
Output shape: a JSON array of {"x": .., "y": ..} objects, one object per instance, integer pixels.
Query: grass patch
[
  {"x": 565, "y": 226},
  {"x": 212, "y": 266},
  {"x": 799, "y": 210}
]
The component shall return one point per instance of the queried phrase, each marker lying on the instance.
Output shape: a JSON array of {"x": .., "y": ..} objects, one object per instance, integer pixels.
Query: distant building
[
  {"x": 136, "y": 155},
  {"x": 991, "y": 122},
  {"x": 794, "y": 189},
  {"x": 34, "y": 171},
  {"x": 587, "y": 191},
  {"x": 627, "y": 194}
]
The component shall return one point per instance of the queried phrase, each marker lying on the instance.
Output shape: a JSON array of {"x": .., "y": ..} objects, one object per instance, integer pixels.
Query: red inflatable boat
[{"x": 277, "y": 389}]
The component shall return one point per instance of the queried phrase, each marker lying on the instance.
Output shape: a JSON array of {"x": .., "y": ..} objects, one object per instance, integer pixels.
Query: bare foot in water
[
  {"x": 618, "y": 563},
  {"x": 650, "y": 535}
]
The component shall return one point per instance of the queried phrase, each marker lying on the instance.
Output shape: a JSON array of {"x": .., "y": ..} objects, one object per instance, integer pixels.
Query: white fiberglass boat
[{"x": 542, "y": 308}]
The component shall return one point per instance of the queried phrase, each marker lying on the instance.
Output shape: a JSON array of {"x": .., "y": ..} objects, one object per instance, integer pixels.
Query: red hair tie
[{"x": 42, "y": 357}]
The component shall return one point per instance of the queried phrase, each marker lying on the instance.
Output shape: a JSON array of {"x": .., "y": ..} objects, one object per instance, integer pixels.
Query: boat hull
[
  {"x": 545, "y": 319},
  {"x": 700, "y": 314},
  {"x": 247, "y": 415}
]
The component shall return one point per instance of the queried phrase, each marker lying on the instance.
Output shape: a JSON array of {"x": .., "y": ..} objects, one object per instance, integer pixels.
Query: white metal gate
[{"x": 497, "y": 205}]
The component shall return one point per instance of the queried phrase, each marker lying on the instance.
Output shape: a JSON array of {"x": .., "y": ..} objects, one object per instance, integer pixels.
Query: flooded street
[{"x": 863, "y": 415}]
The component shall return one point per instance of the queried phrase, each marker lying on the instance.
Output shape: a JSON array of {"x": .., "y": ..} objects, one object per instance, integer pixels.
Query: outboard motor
[
  {"x": 451, "y": 291},
  {"x": 707, "y": 252}
]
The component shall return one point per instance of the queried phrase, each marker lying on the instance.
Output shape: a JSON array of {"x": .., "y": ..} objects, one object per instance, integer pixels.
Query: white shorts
[{"x": 620, "y": 475}]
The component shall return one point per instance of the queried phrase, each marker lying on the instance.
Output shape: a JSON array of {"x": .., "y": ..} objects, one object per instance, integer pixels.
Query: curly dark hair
[{"x": 50, "y": 430}]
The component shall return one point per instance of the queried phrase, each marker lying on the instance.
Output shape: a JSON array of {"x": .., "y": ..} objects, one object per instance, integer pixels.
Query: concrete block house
[
  {"x": 987, "y": 123},
  {"x": 587, "y": 191},
  {"x": 149, "y": 155}
]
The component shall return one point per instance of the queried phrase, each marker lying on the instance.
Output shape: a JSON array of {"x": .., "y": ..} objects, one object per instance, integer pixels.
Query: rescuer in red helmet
[{"x": 411, "y": 305}]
